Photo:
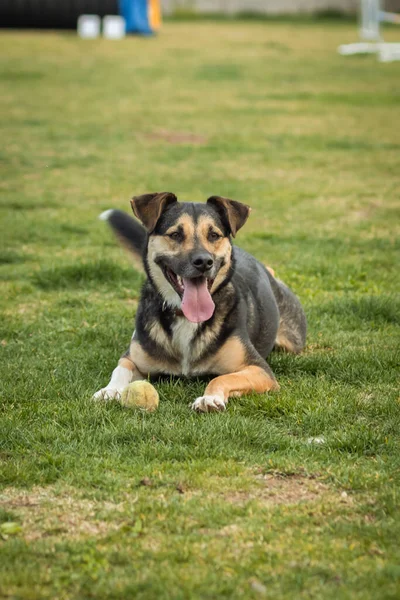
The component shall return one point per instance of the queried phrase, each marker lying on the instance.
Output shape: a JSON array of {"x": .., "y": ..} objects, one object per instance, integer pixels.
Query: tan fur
[
  {"x": 223, "y": 272},
  {"x": 146, "y": 364},
  {"x": 162, "y": 245},
  {"x": 220, "y": 248},
  {"x": 126, "y": 363},
  {"x": 157, "y": 333},
  {"x": 210, "y": 334},
  {"x": 204, "y": 225},
  {"x": 176, "y": 359},
  {"x": 186, "y": 222},
  {"x": 283, "y": 343},
  {"x": 271, "y": 270},
  {"x": 230, "y": 357},
  {"x": 249, "y": 379}
]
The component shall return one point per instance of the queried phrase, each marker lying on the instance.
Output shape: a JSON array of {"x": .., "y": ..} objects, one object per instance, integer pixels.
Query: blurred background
[{"x": 64, "y": 13}]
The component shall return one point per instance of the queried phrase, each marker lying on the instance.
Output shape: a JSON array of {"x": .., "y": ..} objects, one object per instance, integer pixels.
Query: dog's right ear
[{"x": 148, "y": 208}]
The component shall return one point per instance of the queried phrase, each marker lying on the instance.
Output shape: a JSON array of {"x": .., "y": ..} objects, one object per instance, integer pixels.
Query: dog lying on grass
[{"x": 207, "y": 307}]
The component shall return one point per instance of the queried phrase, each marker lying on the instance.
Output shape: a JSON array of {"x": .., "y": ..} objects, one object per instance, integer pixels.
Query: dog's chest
[{"x": 182, "y": 342}]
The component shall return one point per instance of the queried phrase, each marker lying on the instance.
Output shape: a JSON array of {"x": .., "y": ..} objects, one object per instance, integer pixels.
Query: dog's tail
[{"x": 129, "y": 233}]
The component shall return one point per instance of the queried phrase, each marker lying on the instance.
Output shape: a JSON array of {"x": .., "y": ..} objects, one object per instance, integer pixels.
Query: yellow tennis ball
[{"x": 140, "y": 394}]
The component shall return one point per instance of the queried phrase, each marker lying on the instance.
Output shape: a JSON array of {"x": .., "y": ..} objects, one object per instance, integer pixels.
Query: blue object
[{"x": 136, "y": 15}]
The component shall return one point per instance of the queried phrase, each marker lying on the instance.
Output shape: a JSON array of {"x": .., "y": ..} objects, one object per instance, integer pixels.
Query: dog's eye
[
  {"x": 176, "y": 236},
  {"x": 213, "y": 236}
]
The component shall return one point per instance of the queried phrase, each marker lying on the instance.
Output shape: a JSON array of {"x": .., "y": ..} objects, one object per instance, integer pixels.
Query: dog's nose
[{"x": 203, "y": 262}]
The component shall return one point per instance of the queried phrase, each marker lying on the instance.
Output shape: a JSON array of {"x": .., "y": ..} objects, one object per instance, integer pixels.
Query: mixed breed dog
[{"x": 207, "y": 307}]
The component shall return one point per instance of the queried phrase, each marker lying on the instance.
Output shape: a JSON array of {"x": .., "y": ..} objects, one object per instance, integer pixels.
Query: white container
[
  {"x": 114, "y": 27},
  {"x": 389, "y": 52},
  {"x": 89, "y": 26}
]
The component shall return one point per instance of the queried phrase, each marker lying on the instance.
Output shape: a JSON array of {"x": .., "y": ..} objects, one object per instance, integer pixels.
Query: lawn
[{"x": 289, "y": 495}]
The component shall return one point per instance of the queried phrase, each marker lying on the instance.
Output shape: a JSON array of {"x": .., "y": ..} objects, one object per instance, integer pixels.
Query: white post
[{"x": 370, "y": 20}]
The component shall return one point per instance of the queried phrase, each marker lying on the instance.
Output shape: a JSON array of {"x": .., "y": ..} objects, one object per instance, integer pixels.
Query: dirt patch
[
  {"x": 177, "y": 137},
  {"x": 42, "y": 512},
  {"x": 365, "y": 212},
  {"x": 276, "y": 489},
  {"x": 28, "y": 310},
  {"x": 51, "y": 513}
]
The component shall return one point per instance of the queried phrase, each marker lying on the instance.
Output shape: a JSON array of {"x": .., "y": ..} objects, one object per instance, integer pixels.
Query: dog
[{"x": 207, "y": 307}]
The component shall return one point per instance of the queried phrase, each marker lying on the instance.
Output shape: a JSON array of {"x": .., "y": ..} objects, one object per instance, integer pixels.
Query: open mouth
[
  {"x": 178, "y": 282},
  {"x": 197, "y": 304}
]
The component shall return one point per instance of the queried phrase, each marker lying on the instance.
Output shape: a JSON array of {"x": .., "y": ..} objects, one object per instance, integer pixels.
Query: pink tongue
[{"x": 197, "y": 304}]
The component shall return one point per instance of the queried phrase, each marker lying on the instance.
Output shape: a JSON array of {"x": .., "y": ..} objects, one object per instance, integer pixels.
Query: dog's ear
[
  {"x": 234, "y": 214},
  {"x": 149, "y": 207}
]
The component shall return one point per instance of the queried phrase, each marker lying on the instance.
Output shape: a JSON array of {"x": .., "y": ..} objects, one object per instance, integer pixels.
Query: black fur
[
  {"x": 251, "y": 303},
  {"x": 130, "y": 232}
]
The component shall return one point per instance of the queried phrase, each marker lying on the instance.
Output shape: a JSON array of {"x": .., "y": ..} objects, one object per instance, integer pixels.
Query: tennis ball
[{"x": 140, "y": 394}]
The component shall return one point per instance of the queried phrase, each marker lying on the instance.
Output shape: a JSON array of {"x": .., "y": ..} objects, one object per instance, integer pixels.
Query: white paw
[
  {"x": 209, "y": 404},
  {"x": 107, "y": 393}
]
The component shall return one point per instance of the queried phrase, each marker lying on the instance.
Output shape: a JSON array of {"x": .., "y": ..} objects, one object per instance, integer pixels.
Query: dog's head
[{"x": 189, "y": 248}]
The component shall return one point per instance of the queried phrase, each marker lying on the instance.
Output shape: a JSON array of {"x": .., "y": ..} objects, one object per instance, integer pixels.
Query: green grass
[{"x": 102, "y": 502}]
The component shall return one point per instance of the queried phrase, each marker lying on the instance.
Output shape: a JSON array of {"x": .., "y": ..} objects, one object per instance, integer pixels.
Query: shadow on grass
[
  {"x": 354, "y": 312},
  {"x": 80, "y": 275},
  {"x": 9, "y": 257}
]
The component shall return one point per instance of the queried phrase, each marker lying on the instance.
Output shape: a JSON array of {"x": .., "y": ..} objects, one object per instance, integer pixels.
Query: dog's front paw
[
  {"x": 209, "y": 404},
  {"x": 107, "y": 393}
]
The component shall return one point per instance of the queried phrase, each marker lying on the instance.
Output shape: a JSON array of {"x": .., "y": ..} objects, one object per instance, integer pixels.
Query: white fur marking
[
  {"x": 120, "y": 378},
  {"x": 209, "y": 403},
  {"x": 183, "y": 333},
  {"x": 104, "y": 216}
]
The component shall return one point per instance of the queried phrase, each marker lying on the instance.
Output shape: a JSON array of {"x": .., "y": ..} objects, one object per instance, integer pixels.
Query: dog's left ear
[
  {"x": 148, "y": 208},
  {"x": 235, "y": 214}
]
